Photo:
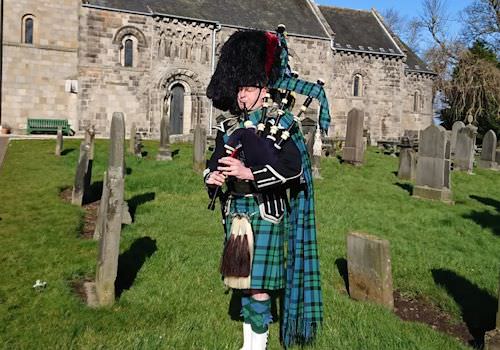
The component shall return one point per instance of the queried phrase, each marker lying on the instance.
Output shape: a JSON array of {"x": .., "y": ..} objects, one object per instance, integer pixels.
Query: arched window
[
  {"x": 28, "y": 29},
  {"x": 416, "y": 99},
  {"x": 129, "y": 53},
  {"x": 357, "y": 86}
]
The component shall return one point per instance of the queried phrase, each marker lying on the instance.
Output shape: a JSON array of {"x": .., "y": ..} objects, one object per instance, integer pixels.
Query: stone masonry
[{"x": 87, "y": 46}]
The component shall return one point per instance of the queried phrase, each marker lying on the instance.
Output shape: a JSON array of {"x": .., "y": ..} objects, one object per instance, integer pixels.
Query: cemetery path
[{"x": 4, "y": 142}]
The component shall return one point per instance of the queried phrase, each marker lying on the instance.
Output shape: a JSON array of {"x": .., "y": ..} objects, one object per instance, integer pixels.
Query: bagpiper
[{"x": 261, "y": 157}]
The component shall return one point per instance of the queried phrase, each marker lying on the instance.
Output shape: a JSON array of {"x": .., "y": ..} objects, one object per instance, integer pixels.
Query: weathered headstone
[
  {"x": 353, "y": 151},
  {"x": 465, "y": 148},
  {"x": 369, "y": 269},
  {"x": 454, "y": 132},
  {"x": 492, "y": 338},
  {"x": 164, "y": 150},
  {"x": 109, "y": 247},
  {"x": 407, "y": 164},
  {"x": 101, "y": 213},
  {"x": 316, "y": 157},
  {"x": 80, "y": 184},
  {"x": 489, "y": 153},
  {"x": 90, "y": 140},
  {"x": 59, "y": 141},
  {"x": 200, "y": 144},
  {"x": 132, "y": 140},
  {"x": 138, "y": 145},
  {"x": 433, "y": 166}
]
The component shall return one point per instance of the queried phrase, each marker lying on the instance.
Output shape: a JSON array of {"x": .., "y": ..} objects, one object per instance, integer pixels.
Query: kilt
[{"x": 268, "y": 266}]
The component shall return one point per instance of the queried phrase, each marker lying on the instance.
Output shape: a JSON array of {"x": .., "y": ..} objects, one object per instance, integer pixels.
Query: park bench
[{"x": 48, "y": 126}]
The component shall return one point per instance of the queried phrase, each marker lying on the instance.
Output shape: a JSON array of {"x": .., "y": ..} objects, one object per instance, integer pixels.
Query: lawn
[{"x": 171, "y": 294}]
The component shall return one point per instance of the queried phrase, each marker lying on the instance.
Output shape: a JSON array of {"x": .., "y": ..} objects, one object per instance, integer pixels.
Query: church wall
[{"x": 35, "y": 75}]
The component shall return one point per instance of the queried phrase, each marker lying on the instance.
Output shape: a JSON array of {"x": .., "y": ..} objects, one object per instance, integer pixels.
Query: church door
[{"x": 177, "y": 110}]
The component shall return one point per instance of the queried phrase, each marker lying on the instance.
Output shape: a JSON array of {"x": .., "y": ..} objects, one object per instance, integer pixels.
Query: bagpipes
[{"x": 261, "y": 144}]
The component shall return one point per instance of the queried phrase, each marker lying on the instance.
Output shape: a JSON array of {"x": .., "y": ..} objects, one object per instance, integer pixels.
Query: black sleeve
[
  {"x": 219, "y": 152},
  {"x": 288, "y": 167}
]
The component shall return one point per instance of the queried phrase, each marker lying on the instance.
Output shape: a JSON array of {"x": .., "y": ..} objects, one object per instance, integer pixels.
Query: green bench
[{"x": 48, "y": 125}]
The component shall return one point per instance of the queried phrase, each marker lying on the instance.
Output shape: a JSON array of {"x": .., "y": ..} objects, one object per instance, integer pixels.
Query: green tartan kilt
[{"x": 268, "y": 266}]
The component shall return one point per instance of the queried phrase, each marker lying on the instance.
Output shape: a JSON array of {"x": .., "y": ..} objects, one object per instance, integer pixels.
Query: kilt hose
[{"x": 268, "y": 265}]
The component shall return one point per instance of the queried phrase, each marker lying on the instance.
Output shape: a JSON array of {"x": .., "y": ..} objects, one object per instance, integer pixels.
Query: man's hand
[
  {"x": 216, "y": 178},
  {"x": 234, "y": 167}
]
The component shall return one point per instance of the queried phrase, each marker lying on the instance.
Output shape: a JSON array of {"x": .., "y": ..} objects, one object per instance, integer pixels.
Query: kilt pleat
[{"x": 268, "y": 266}]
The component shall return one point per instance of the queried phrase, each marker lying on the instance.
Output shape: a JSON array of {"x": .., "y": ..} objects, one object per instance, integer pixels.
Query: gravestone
[
  {"x": 138, "y": 146},
  {"x": 407, "y": 164},
  {"x": 309, "y": 130},
  {"x": 59, "y": 141},
  {"x": 89, "y": 140},
  {"x": 454, "y": 132},
  {"x": 316, "y": 155},
  {"x": 492, "y": 338},
  {"x": 369, "y": 269},
  {"x": 488, "y": 158},
  {"x": 433, "y": 166},
  {"x": 465, "y": 149},
  {"x": 81, "y": 177},
  {"x": 353, "y": 151},
  {"x": 131, "y": 144},
  {"x": 109, "y": 246},
  {"x": 164, "y": 150},
  {"x": 200, "y": 144}
]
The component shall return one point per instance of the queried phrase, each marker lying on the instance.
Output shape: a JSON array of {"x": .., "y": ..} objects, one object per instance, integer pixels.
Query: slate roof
[
  {"x": 358, "y": 30},
  {"x": 259, "y": 14}
]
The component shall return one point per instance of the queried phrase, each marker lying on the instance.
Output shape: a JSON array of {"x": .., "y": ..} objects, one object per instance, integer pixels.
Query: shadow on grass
[
  {"x": 67, "y": 151},
  {"x": 128, "y": 171},
  {"x": 131, "y": 261},
  {"x": 175, "y": 152},
  {"x": 477, "y": 305},
  {"x": 486, "y": 218},
  {"x": 94, "y": 193},
  {"x": 135, "y": 201},
  {"x": 341, "y": 264},
  {"x": 405, "y": 186}
]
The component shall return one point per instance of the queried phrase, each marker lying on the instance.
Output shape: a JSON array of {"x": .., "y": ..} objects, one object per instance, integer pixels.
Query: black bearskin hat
[{"x": 248, "y": 58}]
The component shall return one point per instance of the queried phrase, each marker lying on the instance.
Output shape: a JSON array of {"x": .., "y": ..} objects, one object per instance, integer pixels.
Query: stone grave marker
[
  {"x": 131, "y": 145},
  {"x": 164, "y": 152},
  {"x": 353, "y": 151},
  {"x": 369, "y": 269},
  {"x": 492, "y": 338},
  {"x": 138, "y": 146},
  {"x": 109, "y": 246},
  {"x": 433, "y": 166},
  {"x": 81, "y": 177},
  {"x": 90, "y": 140},
  {"x": 407, "y": 162},
  {"x": 465, "y": 148},
  {"x": 59, "y": 141},
  {"x": 489, "y": 153},
  {"x": 454, "y": 132},
  {"x": 200, "y": 145}
]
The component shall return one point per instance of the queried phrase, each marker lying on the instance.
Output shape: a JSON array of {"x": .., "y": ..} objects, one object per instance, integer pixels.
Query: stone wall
[
  {"x": 35, "y": 75},
  {"x": 169, "y": 52}
]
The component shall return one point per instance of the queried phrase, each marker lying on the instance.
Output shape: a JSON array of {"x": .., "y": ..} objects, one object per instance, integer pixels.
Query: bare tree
[{"x": 482, "y": 22}]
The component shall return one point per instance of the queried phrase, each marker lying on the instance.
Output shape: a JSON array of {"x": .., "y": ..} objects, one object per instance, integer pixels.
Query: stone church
[{"x": 83, "y": 60}]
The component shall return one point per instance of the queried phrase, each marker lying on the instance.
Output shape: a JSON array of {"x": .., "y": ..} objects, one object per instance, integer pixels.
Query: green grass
[{"x": 445, "y": 254}]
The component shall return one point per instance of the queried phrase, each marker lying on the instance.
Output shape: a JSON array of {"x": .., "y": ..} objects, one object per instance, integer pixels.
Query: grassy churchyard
[{"x": 444, "y": 257}]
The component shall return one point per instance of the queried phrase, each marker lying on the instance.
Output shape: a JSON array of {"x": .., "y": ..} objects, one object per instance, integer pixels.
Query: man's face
[{"x": 250, "y": 97}]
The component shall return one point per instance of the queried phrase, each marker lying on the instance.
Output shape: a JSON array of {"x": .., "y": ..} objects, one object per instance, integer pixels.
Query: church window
[
  {"x": 356, "y": 86},
  {"x": 416, "y": 100},
  {"x": 128, "y": 51},
  {"x": 28, "y": 29}
]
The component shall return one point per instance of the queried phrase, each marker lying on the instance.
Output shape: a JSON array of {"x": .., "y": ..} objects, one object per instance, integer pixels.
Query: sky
[{"x": 407, "y": 8}]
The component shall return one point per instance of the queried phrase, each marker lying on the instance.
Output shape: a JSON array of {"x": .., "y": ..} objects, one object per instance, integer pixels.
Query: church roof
[
  {"x": 258, "y": 14},
  {"x": 358, "y": 30}
]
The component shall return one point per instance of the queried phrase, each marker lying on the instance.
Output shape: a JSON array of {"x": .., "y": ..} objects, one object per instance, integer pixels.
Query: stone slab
[
  {"x": 90, "y": 294},
  {"x": 425, "y": 192},
  {"x": 369, "y": 269},
  {"x": 492, "y": 340}
]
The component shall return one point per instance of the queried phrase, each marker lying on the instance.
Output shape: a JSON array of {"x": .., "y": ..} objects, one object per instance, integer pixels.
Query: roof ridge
[{"x": 344, "y": 8}]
